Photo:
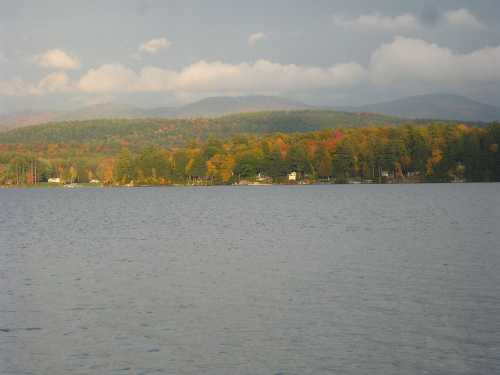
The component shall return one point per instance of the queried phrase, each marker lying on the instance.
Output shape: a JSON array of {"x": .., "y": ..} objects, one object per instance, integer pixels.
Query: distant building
[
  {"x": 95, "y": 181},
  {"x": 261, "y": 178},
  {"x": 292, "y": 176},
  {"x": 385, "y": 174},
  {"x": 54, "y": 180}
]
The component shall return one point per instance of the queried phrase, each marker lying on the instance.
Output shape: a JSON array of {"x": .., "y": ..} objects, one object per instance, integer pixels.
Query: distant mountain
[
  {"x": 25, "y": 118},
  {"x": 103, "y": 110},
  {"x": 209, "y": 107},
  {"x": 226, "y": 105},
  {"x": 219, "y": 106},
  {"x": 434, "y": 106}
]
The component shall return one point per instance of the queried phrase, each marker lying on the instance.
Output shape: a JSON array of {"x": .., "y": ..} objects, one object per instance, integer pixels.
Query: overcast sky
[{"x": 59, "y": 54}]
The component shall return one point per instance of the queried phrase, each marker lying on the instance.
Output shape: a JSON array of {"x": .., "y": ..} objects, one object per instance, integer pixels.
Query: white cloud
[
  {"x": 414, "y": 60},
  {"x": 55, "y": 82},
  {"x": 154, "y": 45},
  {"x": 108, "y": 78},
  {"x": 378, "y": 22},
  {"x": 254, "y": 38},
  {"x": 56, "y": 58},
  {"x": 265, "y": 75},
  {"x": 210, "y": 77},
  {"x": 462, "y": 17},
  {"x": 156, "y": 79},
  {"x": 404, "y": 62}
]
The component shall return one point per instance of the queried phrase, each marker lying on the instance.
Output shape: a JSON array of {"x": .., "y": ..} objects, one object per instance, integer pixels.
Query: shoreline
[{"x": 88, "y": 186}]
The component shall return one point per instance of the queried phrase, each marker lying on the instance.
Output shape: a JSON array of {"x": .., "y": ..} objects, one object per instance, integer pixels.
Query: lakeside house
[
  {"x": 292, "y": 176},
  {"x": 95, "y": 181},
  {"x": 54, "y": 180}
]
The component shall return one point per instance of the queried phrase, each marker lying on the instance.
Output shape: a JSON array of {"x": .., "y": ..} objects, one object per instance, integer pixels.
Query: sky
[{"x": 61, "y": 54}]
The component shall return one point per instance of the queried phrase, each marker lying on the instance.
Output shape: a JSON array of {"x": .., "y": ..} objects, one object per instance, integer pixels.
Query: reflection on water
[{"x": 251, "y": 280}]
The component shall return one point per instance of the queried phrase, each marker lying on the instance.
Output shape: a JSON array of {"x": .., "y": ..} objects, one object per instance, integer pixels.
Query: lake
[{"x": 338, "y": 279}]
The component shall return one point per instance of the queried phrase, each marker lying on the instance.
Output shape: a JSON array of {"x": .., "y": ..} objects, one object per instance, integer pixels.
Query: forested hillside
[
  {"x": 175, "y": 132},
  {"x": 318, "y": 146}
]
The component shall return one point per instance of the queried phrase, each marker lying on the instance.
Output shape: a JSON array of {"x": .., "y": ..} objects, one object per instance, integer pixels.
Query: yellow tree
[
  {"x": 220, "y": 167},
  {"x": 106, "y": 169}
]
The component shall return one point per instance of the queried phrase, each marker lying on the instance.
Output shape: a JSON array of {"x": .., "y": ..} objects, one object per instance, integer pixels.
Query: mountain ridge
[
  {"x": 439, "y": 106},
  {"x": 207, "y": 107},
  {"x": 429, "y": 106}
]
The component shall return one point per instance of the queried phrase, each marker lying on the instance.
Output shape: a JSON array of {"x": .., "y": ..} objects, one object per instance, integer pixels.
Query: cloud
[
  {"x": 154, "y": 45},
  {"x": 55, "y": 82},
  {"x": 56, "y": 58},
  {"x": 429, "y": 15},
  {"x": 378, "y": 22},
  {"x": 265, "y": 75},
  {"x": 217, "y": 76},
  {"x": 462, "y": 17},
  {"x": 414, "y": 60},
  {"x": 403, "y": 62},
  {"x": 108, "y": 78},
  {"x": 254, "y": 38}
]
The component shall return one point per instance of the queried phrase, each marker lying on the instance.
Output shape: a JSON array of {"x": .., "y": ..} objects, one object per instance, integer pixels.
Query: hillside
[
  {"x": 176, "y": 131},
  {"x": 434, "y": 106}
]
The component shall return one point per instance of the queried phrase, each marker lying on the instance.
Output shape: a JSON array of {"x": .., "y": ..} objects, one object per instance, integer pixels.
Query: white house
[
  {"x": 54, "y": 180},
  {"x": 292, "y": 176},
  {"x": 94, "y": 181}
]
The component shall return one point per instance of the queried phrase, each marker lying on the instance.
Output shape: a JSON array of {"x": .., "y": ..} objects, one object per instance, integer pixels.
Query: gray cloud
[
  {"x": 429, "y": 16},
  {"x": 463, "y": 17}
]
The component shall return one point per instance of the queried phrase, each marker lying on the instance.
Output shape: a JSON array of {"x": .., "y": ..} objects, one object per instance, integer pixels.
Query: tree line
[{"x": 407, "y": 153}]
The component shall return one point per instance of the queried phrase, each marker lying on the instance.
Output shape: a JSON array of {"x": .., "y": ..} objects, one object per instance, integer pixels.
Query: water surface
[{"x": 367, "y": 279}]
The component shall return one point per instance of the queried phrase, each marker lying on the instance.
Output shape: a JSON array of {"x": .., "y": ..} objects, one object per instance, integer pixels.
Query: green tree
[{"x": 124, "y": 167}]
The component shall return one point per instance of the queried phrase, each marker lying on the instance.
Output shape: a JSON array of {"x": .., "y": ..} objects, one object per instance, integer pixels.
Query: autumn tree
[{"x": 325, "y": 164}]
